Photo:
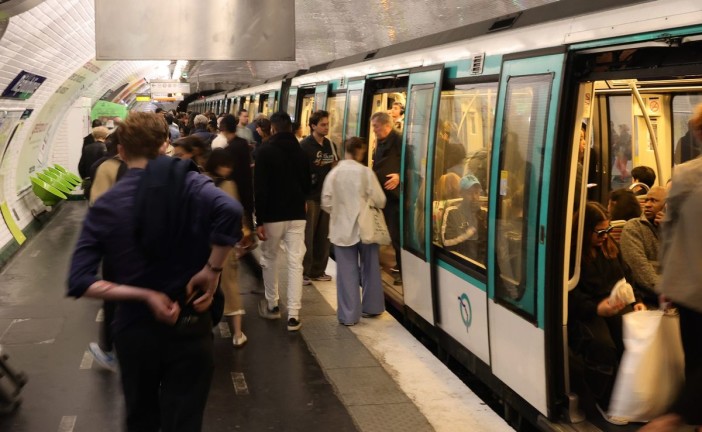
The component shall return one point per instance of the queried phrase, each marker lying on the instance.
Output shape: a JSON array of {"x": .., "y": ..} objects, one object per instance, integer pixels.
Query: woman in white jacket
[{"x": 346, "y": 190}]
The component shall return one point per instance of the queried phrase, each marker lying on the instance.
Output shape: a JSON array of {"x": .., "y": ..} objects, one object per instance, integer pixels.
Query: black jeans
[
  {"x": 392, "y": 219},
  {"x": 108, "y": 312},
  {"x": 316, "y": 240},
  {"x": 165, "y": 377},
  {"x": 599, "y": 341},
  {"x": 688, "y": 402}
]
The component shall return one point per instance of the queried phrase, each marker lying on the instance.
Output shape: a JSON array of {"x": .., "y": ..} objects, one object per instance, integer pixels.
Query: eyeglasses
[{"x": 601, "y": 233}]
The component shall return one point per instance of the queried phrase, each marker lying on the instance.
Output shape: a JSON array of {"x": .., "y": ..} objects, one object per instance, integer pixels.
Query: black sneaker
[
  {"x": 266, "y": 312},
  {"x": 294, "y": 324}
]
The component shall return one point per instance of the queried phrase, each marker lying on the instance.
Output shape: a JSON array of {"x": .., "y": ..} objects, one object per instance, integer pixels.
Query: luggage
[{"x": 11, "y": 383}]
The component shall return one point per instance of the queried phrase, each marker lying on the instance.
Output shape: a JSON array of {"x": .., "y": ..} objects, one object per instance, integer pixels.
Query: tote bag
[
  {"x": 651, "y": 372},
  {"x": 372, "y": 227}
]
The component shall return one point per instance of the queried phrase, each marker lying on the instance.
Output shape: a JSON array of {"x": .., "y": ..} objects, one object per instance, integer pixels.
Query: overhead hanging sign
[
  {"x": 169, "y": 86},
  {"x": 224, "y": 29},
  {"x": 23, "y": 86}
]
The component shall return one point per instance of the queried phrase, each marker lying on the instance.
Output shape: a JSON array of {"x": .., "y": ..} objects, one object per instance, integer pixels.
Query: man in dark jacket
[
  {"x": 386, "y": 165},
  {"x": 281, "y": 183},
  {"x": 89, "y": 139},
  {"x": 93, "y": 152},
  {"x": 162, "y": 241},
  {"x": 322, "y": 157}
]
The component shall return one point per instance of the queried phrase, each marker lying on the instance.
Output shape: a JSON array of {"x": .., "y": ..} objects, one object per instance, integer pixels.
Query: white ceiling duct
[{"x": 10, "y": 8}]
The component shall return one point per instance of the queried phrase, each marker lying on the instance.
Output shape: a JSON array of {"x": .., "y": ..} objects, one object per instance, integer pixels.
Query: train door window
[
  {"x": 521, "y": 158},
  {"x": 335, "y": 107},
  {"x": 292, "y": 102},
  {"x": 620, "y": 141},
  {"x": 354, "y": 112},
  {"x": 307, "y": 110},
  {"x": 417, "y": 143},
  {"x": 685, "y": 146},
  {"x": 461, "y": 170},
  {"x": 253, "y": 108}
]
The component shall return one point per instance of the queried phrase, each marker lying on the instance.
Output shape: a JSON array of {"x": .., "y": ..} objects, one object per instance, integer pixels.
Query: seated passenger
[
  {"x": 642, "y": 180},
  {"x": 622, "y": 206},
  {"x": 595, "y": 324},
  {"x": 447, "y": 189},
  {"x": 639, "y": 245},
  {"x": 462, "y": 227}
]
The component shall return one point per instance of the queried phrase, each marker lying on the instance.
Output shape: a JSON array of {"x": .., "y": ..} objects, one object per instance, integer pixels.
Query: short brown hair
[
  {"x": 142, "y": 134},
  {"x": 355, "y": 144}
]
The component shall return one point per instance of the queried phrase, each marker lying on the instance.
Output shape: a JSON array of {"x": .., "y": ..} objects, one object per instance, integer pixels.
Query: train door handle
[{"x": 542, "y": 234}]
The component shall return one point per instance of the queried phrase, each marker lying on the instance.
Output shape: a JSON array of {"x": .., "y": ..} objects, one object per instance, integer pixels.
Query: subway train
[{"x": 507, "y": 101}]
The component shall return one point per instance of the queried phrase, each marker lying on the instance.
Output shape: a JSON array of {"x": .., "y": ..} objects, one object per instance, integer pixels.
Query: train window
[
  {"x": 463, "y": 144},
  {"x": 335, "y": 107},
  {"x": 620, "y": 141},
  {"x": 307, "y": 110},
  {"x": 417, "y": 137},
  {"x": 685, "y": 145},
  {"x": 353, "y": 113},
  {"x": 292, "y": 103},
  {"x": 253, "y": 109},
  {"x": 521, "y": 158}
]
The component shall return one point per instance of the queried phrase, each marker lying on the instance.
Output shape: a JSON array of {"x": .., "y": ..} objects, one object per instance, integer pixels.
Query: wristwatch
[{"x": 214, "y": 269}]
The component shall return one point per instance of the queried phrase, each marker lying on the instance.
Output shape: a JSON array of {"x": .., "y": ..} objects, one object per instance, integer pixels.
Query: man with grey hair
[
  {"x": 640, "y": 242},
  {"x": 201, "y": 131},
  {"x": 386, "y": 165}
]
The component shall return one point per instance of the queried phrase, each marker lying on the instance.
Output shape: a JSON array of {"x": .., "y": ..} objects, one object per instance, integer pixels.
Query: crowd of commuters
[{"x": 177, "y": 203}]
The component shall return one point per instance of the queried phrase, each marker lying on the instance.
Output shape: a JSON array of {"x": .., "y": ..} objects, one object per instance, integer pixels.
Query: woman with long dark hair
[{"x": 595, "y": 321}]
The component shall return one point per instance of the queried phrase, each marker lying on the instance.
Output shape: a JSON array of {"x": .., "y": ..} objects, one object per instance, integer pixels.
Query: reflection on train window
[
  {"x": 415, "y": 167},
  {"x": 461, "y": 170},
  {"x": 686, "y": 146},
  {"x": 521, "y": 158},
  {"x": 353, "y": 112},
  {"x": 253, "y": 109},
  {"x": 620, "y": 141},
  {"x": 335, "y": 107},
  {"x": 305, "y": 113},
  {"x": 292, "y": 100}
]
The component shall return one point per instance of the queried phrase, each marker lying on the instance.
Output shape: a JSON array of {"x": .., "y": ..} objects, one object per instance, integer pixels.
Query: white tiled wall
[{"x": 54, "y": 40}]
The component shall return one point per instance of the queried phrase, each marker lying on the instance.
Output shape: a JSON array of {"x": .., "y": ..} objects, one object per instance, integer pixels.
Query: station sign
[
  {"x": 143, "y": 98},
  {"x": 169, "y": 86},
  {"x": 23, "y": 86}
]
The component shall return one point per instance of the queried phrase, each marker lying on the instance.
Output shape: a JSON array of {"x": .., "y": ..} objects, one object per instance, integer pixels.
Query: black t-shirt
[{"x": 322, "y": 158}]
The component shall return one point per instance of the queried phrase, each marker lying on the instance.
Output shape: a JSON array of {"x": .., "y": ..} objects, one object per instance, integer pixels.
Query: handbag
[
  {"x": 372, "y": 227},
  {"x": 651, "y": 371}
]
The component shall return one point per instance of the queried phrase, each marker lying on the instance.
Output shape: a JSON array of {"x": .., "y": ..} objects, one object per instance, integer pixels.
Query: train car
[
  {"x": 264, "y": 98},
  {"x": 506, "y": 101}
]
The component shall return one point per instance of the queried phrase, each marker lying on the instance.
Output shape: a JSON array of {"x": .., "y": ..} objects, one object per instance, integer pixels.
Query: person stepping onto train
[{"x": 346, "y": 190}]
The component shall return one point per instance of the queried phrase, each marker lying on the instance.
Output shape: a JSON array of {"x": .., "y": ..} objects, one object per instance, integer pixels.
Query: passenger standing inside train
[
  {"x": 242, "y": 176},
  {"x": 595, "y": 322},
  {"x": 281, "y": 183},
  {"x": 681, "y": 282},
  {"x": 386, "y": 165},
  {"x": 462, "y": 226},
  {"x": 322, "y": 157},
  {"x": 639, "y": 245},
  {"x": 398, "y": 116},
  {"x": 346, "y": 190},
  {"x": 166, "y": 364}
]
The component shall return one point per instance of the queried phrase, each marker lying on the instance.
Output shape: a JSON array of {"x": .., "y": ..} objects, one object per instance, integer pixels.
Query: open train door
[
  {"x": 525, "y": 130},
  {"x": 415, "y": 202}
]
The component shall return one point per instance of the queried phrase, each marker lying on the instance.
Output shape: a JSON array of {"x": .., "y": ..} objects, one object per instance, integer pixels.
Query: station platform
[{"x": 370, "y": 377}]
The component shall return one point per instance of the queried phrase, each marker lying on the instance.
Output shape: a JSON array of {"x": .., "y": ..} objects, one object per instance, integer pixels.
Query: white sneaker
[
  {"x": 238, "y": 343},
  {"x": 105, "y": 359}
]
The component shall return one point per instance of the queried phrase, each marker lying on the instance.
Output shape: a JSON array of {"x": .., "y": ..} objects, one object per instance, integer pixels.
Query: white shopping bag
[{"x": 652, "y": 369}]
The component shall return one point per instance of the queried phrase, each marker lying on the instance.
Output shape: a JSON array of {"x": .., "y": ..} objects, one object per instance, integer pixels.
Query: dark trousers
[
  {"x": 316, "y": 240},
  {"x": 108, "y": 312},
  {"x": 392, "y": 219},
  {"x": 688, "y": 402},
  {"x": 253, "y": 265},
  {"x": 165, "y": 377},
  {"x": 599, "y": 342}
]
